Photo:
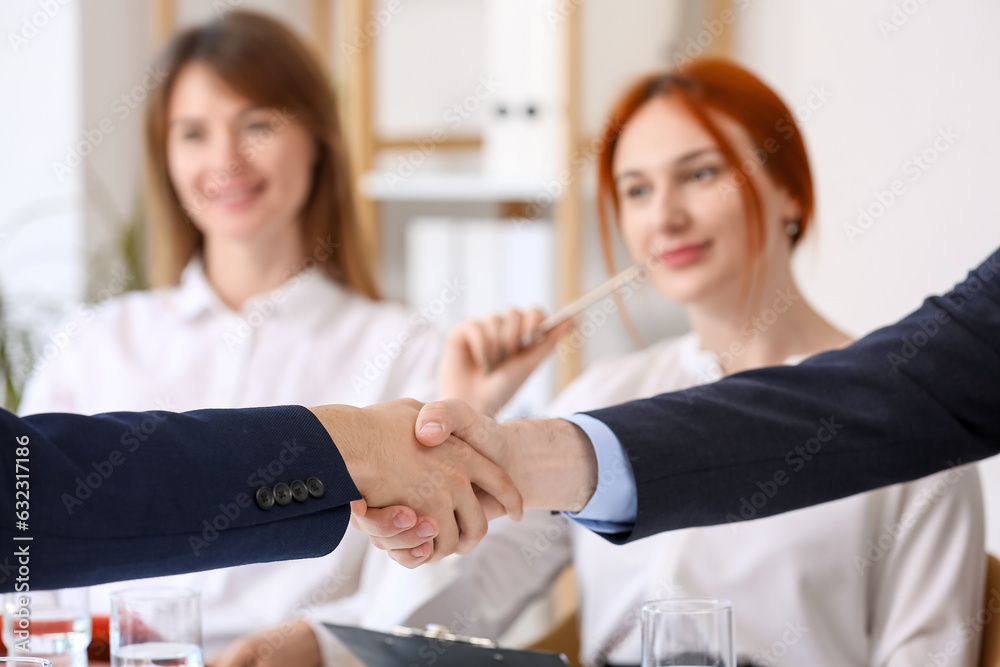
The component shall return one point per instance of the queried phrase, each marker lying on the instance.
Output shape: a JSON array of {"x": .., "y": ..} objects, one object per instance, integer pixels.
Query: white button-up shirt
[{"x": 308, "y": 342}]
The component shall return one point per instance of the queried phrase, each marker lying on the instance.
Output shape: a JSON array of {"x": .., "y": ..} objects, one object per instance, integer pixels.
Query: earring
[{"x": 792, "y": 229}]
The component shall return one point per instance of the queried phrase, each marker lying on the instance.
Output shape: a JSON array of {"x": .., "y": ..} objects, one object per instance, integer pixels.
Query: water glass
[
  {"x": 156, "y": 626},
  {"x": 688, "y": 631},
  {"x": 48, "y": 624}
]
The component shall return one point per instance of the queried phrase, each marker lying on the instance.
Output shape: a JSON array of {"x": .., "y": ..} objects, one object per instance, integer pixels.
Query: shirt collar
[{"x": 298, "y": 295}]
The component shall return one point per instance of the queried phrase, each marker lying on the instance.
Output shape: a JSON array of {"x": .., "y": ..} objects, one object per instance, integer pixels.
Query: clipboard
[{"x": 404, "y": 647}]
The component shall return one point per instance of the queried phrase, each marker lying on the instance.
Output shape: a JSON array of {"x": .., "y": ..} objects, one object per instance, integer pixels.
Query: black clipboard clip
[{"x": 436, "y": 645}]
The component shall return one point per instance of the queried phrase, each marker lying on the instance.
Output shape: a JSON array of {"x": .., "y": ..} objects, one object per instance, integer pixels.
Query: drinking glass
[
  {"x": 693, "y": 632},
  {"x": 156, "y": 626},
  {"x": 48, "y": 624}
]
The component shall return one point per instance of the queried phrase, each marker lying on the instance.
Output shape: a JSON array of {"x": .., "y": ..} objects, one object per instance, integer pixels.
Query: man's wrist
[
  {"x": 344, "y": 426},
  {"x": 552, "y": 463}
]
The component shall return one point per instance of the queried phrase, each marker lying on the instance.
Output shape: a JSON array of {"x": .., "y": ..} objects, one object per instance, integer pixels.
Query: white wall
[
  {"x": 889, "y": 97},
  {"x": 891, "y": 93},
  {"x": 41, "y": 224}
]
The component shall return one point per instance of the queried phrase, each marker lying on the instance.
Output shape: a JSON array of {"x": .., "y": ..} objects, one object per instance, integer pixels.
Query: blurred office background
[{"x": 472, "y": 125}]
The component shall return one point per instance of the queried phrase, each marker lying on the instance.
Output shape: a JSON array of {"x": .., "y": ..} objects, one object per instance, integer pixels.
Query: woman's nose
[
  {"x": 671, "y": 214},
  {"x": 225, "y": 156}
]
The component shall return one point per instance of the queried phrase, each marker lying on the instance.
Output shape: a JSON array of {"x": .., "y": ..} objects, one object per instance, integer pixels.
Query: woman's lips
[
  {"x": 236, "y": 198},
  {"x": 684, "y": 255}
]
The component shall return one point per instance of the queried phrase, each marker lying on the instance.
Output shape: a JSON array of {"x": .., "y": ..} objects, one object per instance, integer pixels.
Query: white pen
[{"x": 575, "y": 308}]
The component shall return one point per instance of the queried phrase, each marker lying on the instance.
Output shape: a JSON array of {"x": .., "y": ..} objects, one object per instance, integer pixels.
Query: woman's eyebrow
[{"x": 687, "y": 157}]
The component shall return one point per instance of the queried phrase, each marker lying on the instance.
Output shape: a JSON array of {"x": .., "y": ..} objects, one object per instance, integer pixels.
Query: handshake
[{"x": 432, "y": 476}]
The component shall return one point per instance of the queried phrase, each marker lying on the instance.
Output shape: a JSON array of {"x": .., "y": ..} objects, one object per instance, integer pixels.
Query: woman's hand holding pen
[{"x": 484, "y": 362}]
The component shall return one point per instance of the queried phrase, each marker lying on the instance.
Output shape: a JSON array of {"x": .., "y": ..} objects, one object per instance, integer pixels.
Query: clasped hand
[{"x": 422, "y": 501}]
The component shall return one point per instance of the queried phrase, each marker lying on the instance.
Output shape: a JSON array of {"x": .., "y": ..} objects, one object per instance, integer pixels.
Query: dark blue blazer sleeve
[
  {"x": 906, "y": 401},
  {"x": 130, "y": 495}
]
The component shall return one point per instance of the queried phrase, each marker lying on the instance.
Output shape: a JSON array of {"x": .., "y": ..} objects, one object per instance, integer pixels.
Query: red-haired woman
[{"x": 706, "y": 175}]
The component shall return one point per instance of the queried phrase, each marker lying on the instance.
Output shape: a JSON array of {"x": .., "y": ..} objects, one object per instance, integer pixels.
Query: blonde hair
[{"x": 263, "y": 60}]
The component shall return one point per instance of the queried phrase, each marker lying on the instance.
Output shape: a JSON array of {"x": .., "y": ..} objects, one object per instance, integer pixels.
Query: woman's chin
[{"x": 239, "y": 229}]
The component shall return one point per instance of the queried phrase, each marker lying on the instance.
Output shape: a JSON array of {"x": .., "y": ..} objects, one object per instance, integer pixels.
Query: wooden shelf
[{"x": 460, "y": 187}]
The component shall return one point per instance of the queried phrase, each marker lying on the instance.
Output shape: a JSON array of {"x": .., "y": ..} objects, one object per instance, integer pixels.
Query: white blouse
[
  {"x": 308, "y": 342},
  {"x": 885, "y": 578}
]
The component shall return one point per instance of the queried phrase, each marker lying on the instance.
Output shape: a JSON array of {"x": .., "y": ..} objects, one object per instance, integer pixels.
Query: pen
[{"x": 576, "y": 307}]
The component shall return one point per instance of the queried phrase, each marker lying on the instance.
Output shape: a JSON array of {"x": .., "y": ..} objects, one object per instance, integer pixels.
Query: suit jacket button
[
  {"x": 282, "y": 494},
  {"x": 299, "y": 491},
  {"x": 315, "y": 487},
  {"x": 265, "y": 498}
]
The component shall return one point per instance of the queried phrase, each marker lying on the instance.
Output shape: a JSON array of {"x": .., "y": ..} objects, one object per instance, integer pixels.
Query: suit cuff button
[
  {"x": 282, "y": 494},
  {"x": 315, "y": 487},
  {"x": 299, "y": 491},
  {"x": 265, "y": 498}
]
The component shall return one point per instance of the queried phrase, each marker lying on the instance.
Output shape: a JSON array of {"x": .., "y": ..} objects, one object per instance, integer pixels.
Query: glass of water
[
  {"x": 48, "y": 624},
  {"x": 688, "y": 631},
  {"x": 156, "y": 626}
]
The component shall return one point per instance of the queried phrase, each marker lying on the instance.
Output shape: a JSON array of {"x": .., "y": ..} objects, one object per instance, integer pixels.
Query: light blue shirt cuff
[{"x": 613, "y": 507}]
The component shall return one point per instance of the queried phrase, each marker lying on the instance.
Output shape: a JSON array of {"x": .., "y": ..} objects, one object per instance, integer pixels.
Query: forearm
[
  {"x": 902, "y": 403},
  {"x": 130, "y": 495},
  {"x": 552, "y": 462}
]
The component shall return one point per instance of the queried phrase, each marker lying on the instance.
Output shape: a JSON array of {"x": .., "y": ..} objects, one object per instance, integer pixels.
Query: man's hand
[
  {"x": 551, "y": 461},
  {"x": 449, "y": 482}
]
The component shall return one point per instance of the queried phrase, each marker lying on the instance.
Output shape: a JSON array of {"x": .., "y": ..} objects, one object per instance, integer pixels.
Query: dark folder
[{"x": 405, "y": 647}]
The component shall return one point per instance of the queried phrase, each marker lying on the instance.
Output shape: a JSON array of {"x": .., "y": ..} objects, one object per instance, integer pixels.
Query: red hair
[{"x": 722, "y": 86}]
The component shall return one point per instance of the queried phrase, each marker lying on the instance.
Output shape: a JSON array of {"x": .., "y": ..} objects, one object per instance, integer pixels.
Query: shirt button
[
  {"x": 299, "y": 491},
  {"x": 265, "y": 498},
  {"x": 282, "y": 494},
  {"x": 315, "y": 487}
]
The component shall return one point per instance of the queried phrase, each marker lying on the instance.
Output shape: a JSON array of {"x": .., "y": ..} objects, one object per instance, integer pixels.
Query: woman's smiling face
[
  {"x": 242, "y": 171},
  {"x": 679, "y": 201}
]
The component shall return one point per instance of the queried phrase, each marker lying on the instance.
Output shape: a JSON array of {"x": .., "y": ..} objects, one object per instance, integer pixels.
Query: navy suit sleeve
[
  {"x": 130, "y": 495},
  {"x": 906, "y": 401}
]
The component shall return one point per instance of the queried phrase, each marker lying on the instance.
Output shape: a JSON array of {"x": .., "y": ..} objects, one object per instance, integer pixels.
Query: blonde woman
[{"x": 263, "y": 297}]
